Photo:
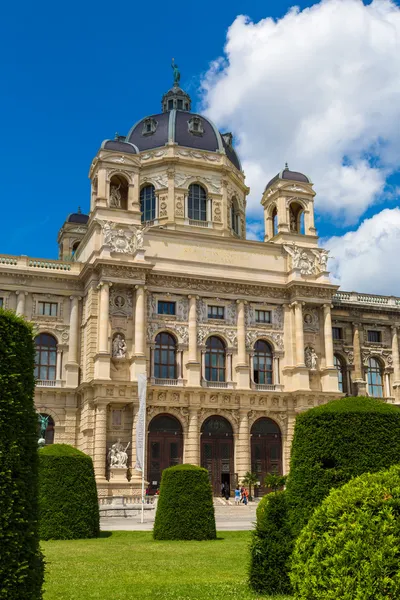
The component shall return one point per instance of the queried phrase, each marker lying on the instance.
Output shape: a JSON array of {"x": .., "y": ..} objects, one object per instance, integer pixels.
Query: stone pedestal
[
  {"x": 118, "y": 475},
  {"x": 243, "y": 376},
  {"x": 329, "y": 380},
  {"x": 193, "y": 373},
  {"x": 72, "y": 374},
  {"x": 102, "y": 366}
]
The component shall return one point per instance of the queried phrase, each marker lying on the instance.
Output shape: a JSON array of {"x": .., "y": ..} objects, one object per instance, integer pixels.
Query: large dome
[{"x": 178, "y": 125}]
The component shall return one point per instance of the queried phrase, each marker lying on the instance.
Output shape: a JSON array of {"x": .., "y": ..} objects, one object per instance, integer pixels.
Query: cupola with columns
[
  {"x": 173, "y": 170},
  {"x": 288, "y": 202}
]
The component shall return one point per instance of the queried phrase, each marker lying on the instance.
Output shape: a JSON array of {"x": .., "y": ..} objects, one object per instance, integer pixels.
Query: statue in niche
[
  {"x": 311, "y": 358},
  {"x": 115, "y": 196},
  {"x": 118, "y": 456},
  {"x": 293, "y": 221},
  {"x": 119, "y": 346}
]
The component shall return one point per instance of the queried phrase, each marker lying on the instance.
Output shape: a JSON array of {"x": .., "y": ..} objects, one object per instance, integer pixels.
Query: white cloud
[
  {"x": 367, "y": 260},
  {"x": 320, "y": 89}
]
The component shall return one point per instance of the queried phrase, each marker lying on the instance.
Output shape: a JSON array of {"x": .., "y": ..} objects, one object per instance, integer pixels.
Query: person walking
[
  {"x": 245, "y": 496},
  {"x": 237, "y": 496}
]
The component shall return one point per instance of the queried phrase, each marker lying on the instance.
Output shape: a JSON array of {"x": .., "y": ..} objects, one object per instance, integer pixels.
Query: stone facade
[{"x": 107, "y": 318}]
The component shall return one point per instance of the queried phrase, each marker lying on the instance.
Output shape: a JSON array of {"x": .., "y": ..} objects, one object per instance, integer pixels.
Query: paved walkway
[{"x": 228, "y": 518}]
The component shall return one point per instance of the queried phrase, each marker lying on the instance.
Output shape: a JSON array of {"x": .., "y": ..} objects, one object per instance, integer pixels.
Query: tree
[
  {"x": 21, "y": 564},
  {"x": 250, "y": 479},
  {"x": 274, "y": 481}
]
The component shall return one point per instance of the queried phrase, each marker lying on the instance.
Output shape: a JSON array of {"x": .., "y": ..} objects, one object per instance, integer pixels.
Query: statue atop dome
[{"x": 177, "y": 74}]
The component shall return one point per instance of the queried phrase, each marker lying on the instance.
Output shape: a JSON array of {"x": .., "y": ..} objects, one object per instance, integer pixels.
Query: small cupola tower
[
  {"x": 71, "y": 235},
  {"x": 288, "y": 202}
]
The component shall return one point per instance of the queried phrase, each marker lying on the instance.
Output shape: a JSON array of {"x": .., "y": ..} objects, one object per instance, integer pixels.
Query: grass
[{"x": 125, "y": 565}]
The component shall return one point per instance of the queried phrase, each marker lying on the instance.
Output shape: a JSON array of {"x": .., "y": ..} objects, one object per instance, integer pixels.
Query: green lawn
[{"x": 126, "y": 565}]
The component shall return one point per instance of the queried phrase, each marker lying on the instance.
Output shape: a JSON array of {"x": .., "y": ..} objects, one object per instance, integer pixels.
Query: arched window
[
  {"x": 46, "y": 357},
  {"x": 75, "y": 248},
  {"x": 165, "y": 356},
  {"x": 275, "y": 221},
  {"x": 197, "y": 202},
  {"x": 263, "y": 370},
  {"x": 235, "y": 217},
  {"x": 215, "y": 359},
  {"x": 296, "y": 218},
  {"x": 118, "y": 192},
  {"x": 374, "y": 374},
  {"x": 148, "y": 203},
  {"x": 341, "y": 369}
]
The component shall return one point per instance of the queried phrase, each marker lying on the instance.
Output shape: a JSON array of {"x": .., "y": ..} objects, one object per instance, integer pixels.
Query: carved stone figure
[
  {"x": 311, "y": 358},
  {"x": 117, "y": 455},
  {"x": 115, "y": 196},
  {"x": 119, "y": 346},
  {"x": 177, "y": 75},
  {"x": 301, "y": 259}
]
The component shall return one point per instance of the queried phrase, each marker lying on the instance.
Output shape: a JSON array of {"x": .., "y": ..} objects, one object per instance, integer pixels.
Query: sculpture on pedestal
[{"x": 117, "y": 456}]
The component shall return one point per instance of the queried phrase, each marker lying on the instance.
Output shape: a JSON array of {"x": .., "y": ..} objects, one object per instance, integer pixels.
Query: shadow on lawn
[{"x": 105, "y": 534}]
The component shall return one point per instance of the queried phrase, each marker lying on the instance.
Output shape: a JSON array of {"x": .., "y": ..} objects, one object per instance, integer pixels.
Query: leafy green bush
[
  {"x": 185, "y": 508},
  {"x": 350, "y": 548},
  {"x": 68, "y": 504},
  {"x": 271, "y": 547},
  {"x": 335, "y": 442},
  {"x": 21, "y": 564}
]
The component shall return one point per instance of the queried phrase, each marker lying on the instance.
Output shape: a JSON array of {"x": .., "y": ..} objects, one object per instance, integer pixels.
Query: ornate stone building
[{"x": 236, "y": 336}]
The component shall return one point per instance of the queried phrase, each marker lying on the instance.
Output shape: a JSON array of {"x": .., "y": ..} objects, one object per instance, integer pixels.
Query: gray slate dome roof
[
  {"x": 173, "y": 126},
  {"x": 286, "y": 174},
  {"x": 78, "y": 218}
]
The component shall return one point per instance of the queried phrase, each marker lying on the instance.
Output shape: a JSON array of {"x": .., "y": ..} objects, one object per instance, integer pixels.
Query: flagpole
[{"x": 143, "y": 459}]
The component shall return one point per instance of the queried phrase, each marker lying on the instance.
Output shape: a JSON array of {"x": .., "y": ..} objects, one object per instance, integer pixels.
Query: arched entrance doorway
[
  {"x": 217, "y": 452},
  {"x": 266, "y": 450},
  {"x": 164, "y": 448}
]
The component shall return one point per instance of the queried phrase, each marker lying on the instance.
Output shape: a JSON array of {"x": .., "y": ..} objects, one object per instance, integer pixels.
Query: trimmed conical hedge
[
  {"x": 333, "y": 443},
  {"x": 68, "y": 503},
  {"x": 185, "y": 508},
  {"x": 21, "y": 563}
]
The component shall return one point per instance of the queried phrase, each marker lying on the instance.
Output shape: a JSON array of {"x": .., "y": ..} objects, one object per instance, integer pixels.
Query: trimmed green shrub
[
  {"x": 68, "y": 503},
  {"x": 21, "y": 562},
  {"x": 185, "y": 508},
  {"x": 350, "y": 548},
  {"x": 335, "y": 442},
  {"x": 271, "y": 547}
]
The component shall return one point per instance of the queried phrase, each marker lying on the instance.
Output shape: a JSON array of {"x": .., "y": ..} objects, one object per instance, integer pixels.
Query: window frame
[
  {"x": 374, "y": 331},
  {"x": 215, "y": 353},
  {"x": 265, "y": 311},
  {"x": 171, "y": 303},
  {"x": 339, "y": 330},
  {"x": 162, "y": 348},
  {"x": 197, "y": 203},
  {"x": 40, "y": 351},
  {"x": 371, "y": 371},
  {"x": 2, "y": 302},
  {"x": 146, "y": 199},
  {"x": 341, "y": 367},
  {"x": 268, "y": 360},
  {"x": 218, "y": 309},
  {"x": 42, "y": 305}
]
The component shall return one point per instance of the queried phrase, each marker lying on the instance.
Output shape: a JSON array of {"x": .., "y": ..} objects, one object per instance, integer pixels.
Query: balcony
[
  {"x": 47, "y": 383},
  {"x": 267, "y": 387},
  {"x": 168, "y": 382},
  {"x": 218, "y": 384}
]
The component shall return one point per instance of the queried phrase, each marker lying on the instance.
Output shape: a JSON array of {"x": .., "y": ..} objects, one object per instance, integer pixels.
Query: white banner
[{"x": 141, "y": 422}]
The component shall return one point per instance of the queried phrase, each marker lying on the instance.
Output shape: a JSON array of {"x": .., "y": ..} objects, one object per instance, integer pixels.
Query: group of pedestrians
[{"x": 241, "y": 495}]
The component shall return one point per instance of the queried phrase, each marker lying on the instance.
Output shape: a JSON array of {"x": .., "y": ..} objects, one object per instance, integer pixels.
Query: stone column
[
  {"x": 241, "y": 333},
  {"x": 21, "y": 303},
  {"x": 192, "y": 449},
  {"x": 298, "y": 315},
  {"x": 276, "y": 370},
  {"x": 140, "y": 320},
  {"x": 74, "y": 330},
  {"x": 103, "y": 317},
  {"x": 228, "y": 366},
  {"x": 203, "y": 364},
  {"x": 100, "y": 441},
  {"x": 242, "y": 450},
  {"x": 395, "y": 355},
  {"x": 359, "y": 382},
  {"x": 328, "y": 336},
  {"x": 58, "y": 364},
  {"x": 192, "y": 330}
]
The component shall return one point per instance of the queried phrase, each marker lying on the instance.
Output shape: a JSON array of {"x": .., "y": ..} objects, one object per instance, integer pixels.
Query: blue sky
[{"x": 74, "y": 74}]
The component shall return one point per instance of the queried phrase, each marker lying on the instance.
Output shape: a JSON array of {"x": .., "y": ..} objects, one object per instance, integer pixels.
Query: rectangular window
[
  {"x": 216, "y": 312},
  {"x": 1, "y": 302},
  {"x": 263, "y": 316},
  {"x": 374, "y": 336},
  {"x": 48, "y": 309},
  {"x": 166, "y": 308},
  {"x": 337, "y": 333},
  {"x": 180, "y": 104}
]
